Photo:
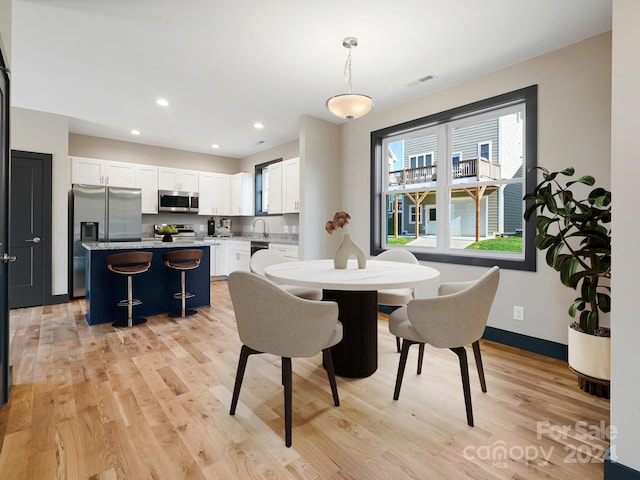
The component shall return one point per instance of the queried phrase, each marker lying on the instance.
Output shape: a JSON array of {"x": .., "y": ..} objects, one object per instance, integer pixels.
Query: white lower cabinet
[
  {"x": 286, "y": 250},
  {"x": 239, "y": 253},
  {"x": 219, "y": 259}
]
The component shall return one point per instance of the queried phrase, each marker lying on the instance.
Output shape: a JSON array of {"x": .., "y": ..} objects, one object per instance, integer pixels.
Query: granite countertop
[
  {"x": 149, "y": 244},
  {"x": 283, "y": 238}
]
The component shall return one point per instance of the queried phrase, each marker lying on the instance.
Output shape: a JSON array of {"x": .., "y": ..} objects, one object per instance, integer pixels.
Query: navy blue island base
[{"x": 155, "y": 287}]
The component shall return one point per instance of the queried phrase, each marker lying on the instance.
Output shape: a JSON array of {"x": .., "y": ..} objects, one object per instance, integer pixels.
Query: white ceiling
[{"x": 226, "y": 64}]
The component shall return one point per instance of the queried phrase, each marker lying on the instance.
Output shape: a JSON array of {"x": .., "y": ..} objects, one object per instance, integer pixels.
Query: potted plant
[{"x": 576, "y": 235}]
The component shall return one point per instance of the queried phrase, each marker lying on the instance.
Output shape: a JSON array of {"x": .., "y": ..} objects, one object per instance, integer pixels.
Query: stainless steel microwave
[{"x": 170, "y": 201}]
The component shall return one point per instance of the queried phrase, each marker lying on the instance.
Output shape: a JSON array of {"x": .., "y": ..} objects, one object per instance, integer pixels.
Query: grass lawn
[
  {"x": 500, "y": 244},
  {"x": 399, "y": 240}
]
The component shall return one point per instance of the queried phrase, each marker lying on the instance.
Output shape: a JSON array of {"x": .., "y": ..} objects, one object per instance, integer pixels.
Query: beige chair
[
  {"x": 264, "y": 258},
  {"x": 455, "y": 318},
  {"x": 273, "y": 321},
  {"x": 398, "y": 297}
]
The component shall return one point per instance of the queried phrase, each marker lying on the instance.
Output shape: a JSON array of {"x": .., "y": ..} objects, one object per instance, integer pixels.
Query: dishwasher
[{"x": 258, "y": 245}]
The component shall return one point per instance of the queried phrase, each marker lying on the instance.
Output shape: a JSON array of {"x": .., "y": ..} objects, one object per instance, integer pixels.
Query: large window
[{"x": 467, "y": 210}]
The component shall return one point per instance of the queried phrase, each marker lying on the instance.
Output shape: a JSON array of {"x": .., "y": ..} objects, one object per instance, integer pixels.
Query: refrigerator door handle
[{"x": 6, "y": 258}]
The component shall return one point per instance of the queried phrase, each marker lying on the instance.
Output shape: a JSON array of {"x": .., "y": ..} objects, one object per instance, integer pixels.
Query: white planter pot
[{"x": 590, "y": 355}]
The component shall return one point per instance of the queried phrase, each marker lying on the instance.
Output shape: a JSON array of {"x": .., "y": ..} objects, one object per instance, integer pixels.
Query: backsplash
[{"x": 282, "y": 227}]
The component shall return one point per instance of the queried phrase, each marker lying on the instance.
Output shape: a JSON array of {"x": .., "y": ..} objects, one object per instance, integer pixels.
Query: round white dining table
[{"x": 356, "y": 292}]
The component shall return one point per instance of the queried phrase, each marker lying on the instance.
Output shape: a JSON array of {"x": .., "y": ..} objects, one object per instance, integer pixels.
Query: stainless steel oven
[{"x": 171, "y": 201}]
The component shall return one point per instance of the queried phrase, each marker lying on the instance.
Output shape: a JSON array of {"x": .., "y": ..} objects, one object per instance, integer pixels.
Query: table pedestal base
[{"x": 356, "y": 356}]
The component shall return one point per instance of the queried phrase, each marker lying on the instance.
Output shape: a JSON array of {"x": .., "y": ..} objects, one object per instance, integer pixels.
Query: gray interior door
[
  {"x": 28, "y": 238},
  {"x": 5, "y": 383}
]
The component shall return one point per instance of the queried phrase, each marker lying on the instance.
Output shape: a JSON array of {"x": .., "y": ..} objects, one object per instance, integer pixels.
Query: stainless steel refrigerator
[{"x": 102, "y": 214}]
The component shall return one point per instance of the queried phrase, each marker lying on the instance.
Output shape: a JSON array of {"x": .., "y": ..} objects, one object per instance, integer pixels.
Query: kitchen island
[{"x": 155, "y": 287}]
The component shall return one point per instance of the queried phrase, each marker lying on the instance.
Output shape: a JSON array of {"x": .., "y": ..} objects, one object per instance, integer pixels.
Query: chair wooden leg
[
  {"x": 327, "y": 361},
  {"x": 242, "y": 365},
  {"x": 420, "y": 357},
  {"x": 403, "y": 362},
  {"x": 478, "y": 357},
  {"x": 464, "y": 372},
  {"x": 287, "y": 382}
]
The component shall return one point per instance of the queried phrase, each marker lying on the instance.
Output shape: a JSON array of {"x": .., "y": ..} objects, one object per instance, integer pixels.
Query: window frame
[
  {"x": 424, "y": 156},
  {"x": 488, "y": 144},
  {"x": 527, "y": 96},
  {"x": 260, "y": 171}
]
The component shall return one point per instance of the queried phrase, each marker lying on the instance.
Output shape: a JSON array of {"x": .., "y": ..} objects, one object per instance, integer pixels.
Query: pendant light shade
[{"x": 349, "y": 105}]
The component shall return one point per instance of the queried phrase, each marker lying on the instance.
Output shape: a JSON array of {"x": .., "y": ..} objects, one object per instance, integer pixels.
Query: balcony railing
[{"x": 478, "y": 168}]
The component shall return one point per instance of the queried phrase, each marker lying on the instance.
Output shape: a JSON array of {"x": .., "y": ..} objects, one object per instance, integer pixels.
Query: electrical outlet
[{"x": 518, "y": 313}]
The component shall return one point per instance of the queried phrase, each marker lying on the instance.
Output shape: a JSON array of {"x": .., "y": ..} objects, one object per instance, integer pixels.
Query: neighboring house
[{"x": 480, "y": 151}]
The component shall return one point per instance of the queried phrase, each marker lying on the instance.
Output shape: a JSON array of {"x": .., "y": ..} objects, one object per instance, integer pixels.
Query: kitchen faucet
[{"x": 265, "y": 233}]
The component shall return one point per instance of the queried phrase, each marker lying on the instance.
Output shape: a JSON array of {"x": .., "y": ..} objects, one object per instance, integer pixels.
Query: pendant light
[{"x": 349, "y": 105}]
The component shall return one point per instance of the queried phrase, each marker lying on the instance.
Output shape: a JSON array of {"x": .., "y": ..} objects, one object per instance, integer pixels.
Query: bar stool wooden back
[
  {"x": 129, "y": 264},
  {"x": 183, "y": 260}
]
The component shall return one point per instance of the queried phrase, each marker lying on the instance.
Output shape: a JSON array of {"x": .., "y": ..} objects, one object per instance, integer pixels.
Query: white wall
[
  {"x": 573, "y": 129},
  {"x": 625, "y": 171},
  {"x": 48, "y": 133},
  {"x": 284, "y": 151},
  {"x": 5, "y": 30},
  {"x": 320, "y": 145},
  {"x": 119, "y": 151}
]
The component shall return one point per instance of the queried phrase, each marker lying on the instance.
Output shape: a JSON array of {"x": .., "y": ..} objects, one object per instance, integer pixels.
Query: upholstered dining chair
[
  {"x": 271, "y": 320},
  {"x": 455, "y": 318},
  {"x": 264, "y": 258},
  {"x": 398, "y": 297}
]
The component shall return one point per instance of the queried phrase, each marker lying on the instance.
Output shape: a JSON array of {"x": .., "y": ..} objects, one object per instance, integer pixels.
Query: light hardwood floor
[{"x": 152, "y": 402}]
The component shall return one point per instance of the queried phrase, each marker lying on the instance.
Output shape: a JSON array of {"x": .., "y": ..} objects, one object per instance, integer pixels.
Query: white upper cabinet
[
  {"x": 274, "y": 188},
  {"x": 120, "y": 174},
  {"x": 221, "y": 194},
  {"x": 147, "y": 180},
  {"x": 87, "y": 171},
  {"x": 242, "y": 194},
  {"x": 214, "y": 191},
  {"x": 94, "y": 171},
  {"x": 291, "y": 186},
  {"x": 177, "y": 179},
  {"x": 205, "y": 193}
]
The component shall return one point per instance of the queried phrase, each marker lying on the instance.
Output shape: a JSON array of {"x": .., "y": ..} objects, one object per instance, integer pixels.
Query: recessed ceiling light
[
  {"x": 258, "y": 125},
  {"x": 135, "y": 132},
  {"x": 162, "y": 102},
  {"x": 215, "y": 145}
]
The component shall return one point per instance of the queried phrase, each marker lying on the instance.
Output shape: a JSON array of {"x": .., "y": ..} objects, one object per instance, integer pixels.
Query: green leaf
[
  {"x": 589, "y": 321},
  {"x": 586, "y": 179},
  {"x": 604, "y": 302},
  {"x": 568, "y": 269}
]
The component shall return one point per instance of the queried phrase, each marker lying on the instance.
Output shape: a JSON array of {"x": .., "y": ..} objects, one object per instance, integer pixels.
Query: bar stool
[
  {"x": 129, "y": 264},
  {"x": 183, "y": 260}
]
